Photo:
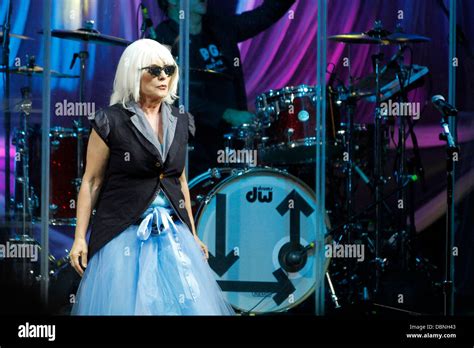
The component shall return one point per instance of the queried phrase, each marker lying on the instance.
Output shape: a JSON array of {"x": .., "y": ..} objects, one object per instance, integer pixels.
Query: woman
[{"x": 144, "y": 256}]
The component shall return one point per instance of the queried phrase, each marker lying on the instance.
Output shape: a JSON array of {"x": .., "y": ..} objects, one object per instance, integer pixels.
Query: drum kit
[
  {"x": 264, "y": 258},
  {"x": 259, "y": 222},
  {"x": 67, "y": 157}
]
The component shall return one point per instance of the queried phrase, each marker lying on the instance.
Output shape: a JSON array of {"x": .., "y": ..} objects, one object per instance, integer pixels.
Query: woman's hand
[
  {"x": 79, "y": 249},
  {"x": 202, "y": 246}
]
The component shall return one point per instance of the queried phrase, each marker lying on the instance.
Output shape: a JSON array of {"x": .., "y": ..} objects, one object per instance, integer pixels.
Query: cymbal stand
[
  {"x": 83, "y": 56},
  {"x": 25, "y": 207},
  {"x": 378, "y": 165},
  {"x": 401, "y": 170},
  {"x": 349, "y": 160}
]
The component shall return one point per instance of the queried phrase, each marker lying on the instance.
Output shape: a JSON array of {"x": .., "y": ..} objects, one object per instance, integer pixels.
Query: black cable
[
  {"x": 404, "y": 95},
  {"x": 411, "y": 125},
  {"x": 372, "y": 205}
]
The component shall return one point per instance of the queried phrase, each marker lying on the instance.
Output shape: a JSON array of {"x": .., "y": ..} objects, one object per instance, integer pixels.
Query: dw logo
[{"x": 263, "y": 194}]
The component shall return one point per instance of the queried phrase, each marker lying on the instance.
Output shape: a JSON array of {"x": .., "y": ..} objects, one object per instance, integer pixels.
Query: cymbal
[
  {"x": 17, "y": 36},
  {"x": 36, "y": 71},
  {"x": 89, "y": 35},
  {"x": 379, "y": 37},
  {"x": 357, "y": 38},
  {"x": 400, "y": 37}
]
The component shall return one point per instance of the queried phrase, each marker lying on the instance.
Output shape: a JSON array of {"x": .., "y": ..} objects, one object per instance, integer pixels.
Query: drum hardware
[
  {"x": 349, "y": 147},
  {"x": 390, "y": 83},
  {"x": 379, "y": 36},
  {"x": 24, "y": 206},
  {"x": 15, "y": 36},
  {"x": 369, "y": 207},
  {"x": 83, "y": 56},
  {"x": 293, "y": 256},
  {"x": 289, "y": 134},
  {"x": 26, "y": 202},
  {"x": 88, "y": 35},
  {"x": 36, "y": 71},
  {"x": 394, "y": 79},
  {"x": 332, "y": 292}
]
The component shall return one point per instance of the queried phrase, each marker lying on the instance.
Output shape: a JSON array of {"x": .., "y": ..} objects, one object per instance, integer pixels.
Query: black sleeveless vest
[{"x": 135, "y": 173}]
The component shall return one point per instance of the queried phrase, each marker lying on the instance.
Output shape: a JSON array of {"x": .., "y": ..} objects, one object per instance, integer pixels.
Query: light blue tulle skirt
[{"x": 155, "y": 268}]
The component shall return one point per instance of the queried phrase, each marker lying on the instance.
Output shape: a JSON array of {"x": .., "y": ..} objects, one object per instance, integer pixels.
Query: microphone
[
  {"x": 147, "y": 23},
  {"x": 440, "y": 103},
  {"x": 446, "y": 110}
]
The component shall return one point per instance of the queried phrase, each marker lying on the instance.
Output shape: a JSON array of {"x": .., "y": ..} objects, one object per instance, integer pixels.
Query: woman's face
[{"x": 154, "y": 88}]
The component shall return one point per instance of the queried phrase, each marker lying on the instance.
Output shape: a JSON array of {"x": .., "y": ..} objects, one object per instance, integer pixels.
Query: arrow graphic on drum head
[
  {"x": 295, "y": 204},
  {"x": 282, "y": 288},
  {"x": 221, "y": 262}
]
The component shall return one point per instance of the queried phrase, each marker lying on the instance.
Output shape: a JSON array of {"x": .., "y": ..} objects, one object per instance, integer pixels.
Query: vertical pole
[
  {"x": 320, "y": 156},
  {"x": 378, "y": 172},
  {"x": 450, "y": 226},
  {"x": 184, "y": 61},
  {"x": 45, "y": 149},
  {"x": 6, "y": 104}
]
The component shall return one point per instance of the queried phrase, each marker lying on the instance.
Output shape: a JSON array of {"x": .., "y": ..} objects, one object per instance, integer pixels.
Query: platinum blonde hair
[{"x": 140, "y": 54}]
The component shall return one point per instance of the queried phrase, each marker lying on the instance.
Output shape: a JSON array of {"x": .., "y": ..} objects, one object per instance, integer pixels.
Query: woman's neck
[{"x": 151, "y": 107}]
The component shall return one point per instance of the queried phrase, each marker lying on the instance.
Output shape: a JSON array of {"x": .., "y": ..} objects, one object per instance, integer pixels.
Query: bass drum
[{"x": 260, "y": 227}]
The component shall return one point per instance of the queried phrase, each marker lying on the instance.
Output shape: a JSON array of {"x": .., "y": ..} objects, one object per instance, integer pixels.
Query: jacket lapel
[
  {"x": 148, "y": 139},
  {"x": 143, "y": 136},
  {"x": 172, "y": 121}
]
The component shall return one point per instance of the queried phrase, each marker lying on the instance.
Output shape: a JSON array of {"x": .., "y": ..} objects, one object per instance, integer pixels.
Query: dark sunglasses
[{"x": 156, "y": 70}]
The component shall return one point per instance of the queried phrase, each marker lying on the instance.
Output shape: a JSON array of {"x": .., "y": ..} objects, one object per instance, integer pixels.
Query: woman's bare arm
[
  {"x": 97, "y": 158},
  {"x": 187, "y": 204},
  {"x": 187, "y": 199}
]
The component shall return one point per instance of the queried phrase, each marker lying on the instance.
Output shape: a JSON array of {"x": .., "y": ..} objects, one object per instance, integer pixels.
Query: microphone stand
[{"x": 452, "y": 156}]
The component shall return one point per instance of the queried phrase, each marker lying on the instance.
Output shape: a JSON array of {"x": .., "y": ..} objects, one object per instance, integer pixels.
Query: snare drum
[
  {"x": 64, "y": 182},
  {"x": 255, "y": 242}
]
